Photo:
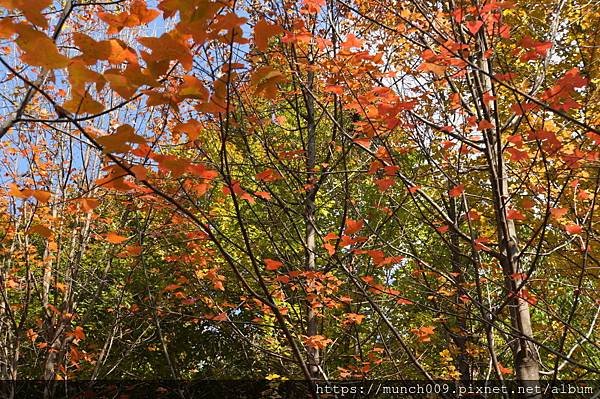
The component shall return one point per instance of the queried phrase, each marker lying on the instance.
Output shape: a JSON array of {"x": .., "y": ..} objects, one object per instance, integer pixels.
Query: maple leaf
[
  {"x": 32, "y": 335},
  {"x": 595, "y": 137},
  {"x": 474, "y": 26},
  {"x": 40, "y": 229},
  {"x": 264, "y": 195},
  {"x": 91, "y": 50},
  {"x": 517, "y": 155},
  {"x": 78, "y": 333},
  {"x": 437, "y": 69},
  {"x": 573, "y": 228},
  {"x": 503, "y": 369},
  {"x": 335, "y": 89},
  {"x": 424, "y": 333},
  {"x": 269, "y": 175},
  {"x": 117, "y": 142},
  {"x": 31, "y": 9},
  {"x": 456, "y": 191},
  {"x": 352, "y": 42},
  {"x": 353, "y": 318},
  {"x": 263, "y": 31},
  {"x": 514, "y": 214},
  {"x": 442, "y": 229},
  {"x": 193, "y": 87},
  {"x": 313, "y": 6},
  {"x": 538, "y": 49},
  {"x": 352, "y": 226},
  {"x": 115, "y": 238},
  {"x": 138, "y": 14},
  {"x": 384, "y": 184},
  {"x": 558, "y": 213},
  {"x": 271, "y": 264},
  {"x": 191, "y": 128},
  {"x": 166, "y": 48},
  {"x": 39, "y": 49},
  {"x": 81, "y": 104},
  {"x": 485, "y": 124},
  {"x": 42, "y": 196},
  {"x": 317, "y": 341}
]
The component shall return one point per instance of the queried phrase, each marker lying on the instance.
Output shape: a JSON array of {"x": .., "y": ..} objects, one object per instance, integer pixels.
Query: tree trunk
[{"x": 309, "y": 219}]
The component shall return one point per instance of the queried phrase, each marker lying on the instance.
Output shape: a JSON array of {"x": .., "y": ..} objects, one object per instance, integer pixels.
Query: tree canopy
[{"x": 313, "y": 189}]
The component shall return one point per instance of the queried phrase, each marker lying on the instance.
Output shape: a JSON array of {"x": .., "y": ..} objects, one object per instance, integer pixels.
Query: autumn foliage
[{"x": 321, "y": 189}]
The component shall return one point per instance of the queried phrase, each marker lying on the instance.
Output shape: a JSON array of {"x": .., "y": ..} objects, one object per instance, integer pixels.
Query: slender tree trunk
[
  {"x": 525, "y": 362},
  {"x": 309, "y": 219}
]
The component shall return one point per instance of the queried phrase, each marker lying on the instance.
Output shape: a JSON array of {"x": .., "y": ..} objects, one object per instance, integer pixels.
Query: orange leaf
[
  {"x": 263, "y": 194},
  {"x": 456, "y": 191},
  {"x": 517, "y": 155},
  {"x": 514, "y": 214},
  {"x": 424, "y": 333},
  {"x": 78, "y": 333},
  {"x": 352, "y": 226},
  {"x": 193, "y": 87},
  {"x": 317, "y": 341},
  {"x": 39, "y": 49},
  {"x": 42, "y": 196},
  {"x": 32, "y": 335},
  {"x": 41, "y": 230},
  {"x": 557, "y": 213},
  {"x": 269, "y": 175},
  {"x": 351, "y": 41},
  {"x": 354, "y": 318},
  {"x": 167, "y": 48},
  {"x": 89, "y": 204},
  {"x": 263, "y": 31},
  {"x": 114, "y": 238},
  {"x": 485, "y": 124},
  {"x": 503, "y": 369},
  {"x": 31, "y": 9},
  {"x": 82, "y": 104},
  {"x": 14, "y": 191},
  {"x": 272, "y": 264},
  {"x": 313, "y": 6},
  {"x": 573, "y": 228},
  {"x": 91, "y": 50}
]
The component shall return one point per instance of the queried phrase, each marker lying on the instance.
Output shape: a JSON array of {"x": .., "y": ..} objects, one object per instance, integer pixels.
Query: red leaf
[
  {"x": 384, "y": 184},
  {"x": 485, "y": 124},
  {"x": 456, "y": 191},
  {"x": 352, "y": 226},
  {"x": 443, "y": 229},
  {"x": 474, "y": 26},
  {"x": 271, "y": 264},
  {"x": 514, "y": 214},
  {"x": 573, "y": 228}
]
